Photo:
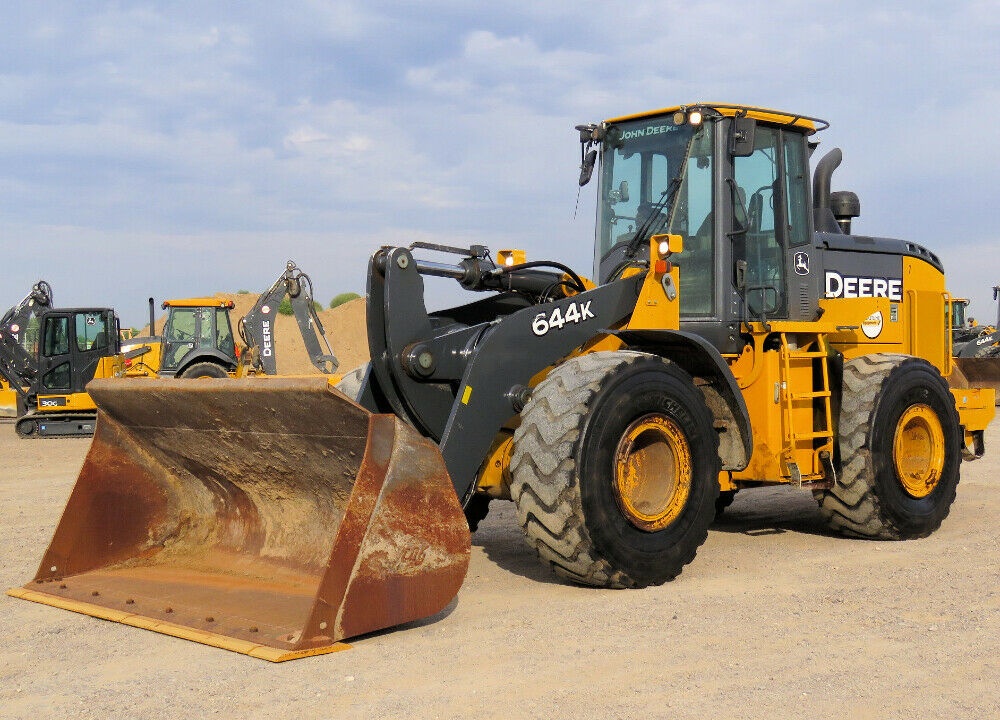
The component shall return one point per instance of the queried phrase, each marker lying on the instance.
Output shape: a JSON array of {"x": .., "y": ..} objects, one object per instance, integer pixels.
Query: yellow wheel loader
[{"x": 736, "y": 334}]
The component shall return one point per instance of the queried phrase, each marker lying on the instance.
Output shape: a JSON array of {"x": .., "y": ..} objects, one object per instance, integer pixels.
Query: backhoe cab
[{"x": 198, "y": 339}]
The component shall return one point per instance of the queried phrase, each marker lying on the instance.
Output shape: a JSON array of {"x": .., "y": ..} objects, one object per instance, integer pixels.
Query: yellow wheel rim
[
  {"x": 652, "y": 472},
  {"x": 918, "y": 450}
]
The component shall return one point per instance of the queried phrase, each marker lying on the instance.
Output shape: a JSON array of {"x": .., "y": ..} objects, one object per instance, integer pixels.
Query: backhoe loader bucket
[
  {"x": 269, "y": 516},
  {"x": 978, "y": 372}
]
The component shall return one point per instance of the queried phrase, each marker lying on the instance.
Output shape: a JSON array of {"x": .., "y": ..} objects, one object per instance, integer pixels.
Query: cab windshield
[{"x": 656, "y": 177}]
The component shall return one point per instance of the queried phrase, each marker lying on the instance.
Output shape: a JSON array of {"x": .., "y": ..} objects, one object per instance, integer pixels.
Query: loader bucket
[
  {"x": 977, "y": 372},
  {"x": 269, "y": 516}
]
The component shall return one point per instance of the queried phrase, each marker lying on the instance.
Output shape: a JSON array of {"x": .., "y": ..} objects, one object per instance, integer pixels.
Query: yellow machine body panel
[
  {"x": 916, "y": 324},
  {"x": 757, "y": 113},
  {"x": 200, "y": 302},
  {"x": 79, "y": 402},
  {"x": 141, "y": 359},
  {"x": 8, "y": 400}
]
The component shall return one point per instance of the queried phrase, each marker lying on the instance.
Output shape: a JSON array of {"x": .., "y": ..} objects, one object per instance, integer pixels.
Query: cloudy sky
[{"x": 174, "y": 148}]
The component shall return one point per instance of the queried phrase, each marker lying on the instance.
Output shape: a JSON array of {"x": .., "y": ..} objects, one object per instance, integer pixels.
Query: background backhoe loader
[
  {"x": 735, "y": 335},
  {"x": 976, "y": 347},
  {"x": 198, "y": 340}
]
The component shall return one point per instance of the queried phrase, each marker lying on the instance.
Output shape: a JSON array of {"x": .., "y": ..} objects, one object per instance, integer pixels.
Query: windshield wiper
[{"x": 655, "y": 214}]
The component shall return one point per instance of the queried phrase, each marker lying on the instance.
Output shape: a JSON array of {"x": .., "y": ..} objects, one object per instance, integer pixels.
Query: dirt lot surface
[{"x": 776, "y": 618}]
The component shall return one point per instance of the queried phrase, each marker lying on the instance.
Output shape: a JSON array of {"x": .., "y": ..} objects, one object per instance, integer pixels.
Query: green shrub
[
  {"x": 285, "y": 307},
  {"x": 343, "y": 298}
]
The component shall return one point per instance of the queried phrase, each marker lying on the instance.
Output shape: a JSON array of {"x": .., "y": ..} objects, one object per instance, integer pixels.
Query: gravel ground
[{"x": 775, "y": 618}]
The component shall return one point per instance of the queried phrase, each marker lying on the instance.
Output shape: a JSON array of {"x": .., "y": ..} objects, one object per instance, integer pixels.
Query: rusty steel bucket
[
  {"x": 269, "y": 516},
  {"x": 977, "y": 372}
]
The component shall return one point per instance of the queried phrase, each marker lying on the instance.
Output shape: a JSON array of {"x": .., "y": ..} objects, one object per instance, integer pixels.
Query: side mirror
[
  {"x": 587, "y": 167},
  {"x": 741, "y": 136}
]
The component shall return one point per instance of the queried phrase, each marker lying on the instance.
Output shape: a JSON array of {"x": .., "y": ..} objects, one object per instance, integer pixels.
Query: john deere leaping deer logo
[{"x": 801, "y": 261}]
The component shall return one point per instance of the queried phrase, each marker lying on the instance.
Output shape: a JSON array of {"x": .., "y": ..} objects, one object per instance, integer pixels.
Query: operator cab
[
  {"x": 73, "y": 341},
  {"x": 734, "y": 182},
  {"x": 196, "y": 328}
]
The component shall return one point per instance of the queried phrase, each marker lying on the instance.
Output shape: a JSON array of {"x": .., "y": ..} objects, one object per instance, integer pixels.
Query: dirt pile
[{"x": 344, "y": 326}]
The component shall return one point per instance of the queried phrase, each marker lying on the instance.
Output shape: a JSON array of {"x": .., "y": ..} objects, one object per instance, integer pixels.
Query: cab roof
[
  {"x": 810, "y": 124},
  {"x": 200, "y": 302}
]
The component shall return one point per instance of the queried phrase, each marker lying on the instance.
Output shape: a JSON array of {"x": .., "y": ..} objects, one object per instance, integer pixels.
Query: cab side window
[
  {"x": 224, "y": 332},
  {"x": 796, "y": 183},
  {"x": 693, "y": 219},
  {"x": 757, "y": 176},
  {"x": 56, "y": 336},
  {"x": 91, "y": 331}
]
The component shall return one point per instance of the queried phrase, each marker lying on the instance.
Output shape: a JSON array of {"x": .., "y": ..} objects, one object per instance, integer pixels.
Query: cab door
[
  {"x": 73, "y": 343},
  {"x": 775, "y": 226}
]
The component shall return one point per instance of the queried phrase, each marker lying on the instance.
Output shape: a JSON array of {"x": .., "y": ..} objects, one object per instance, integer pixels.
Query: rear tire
[
  {"x": 615, "y": 469},
  {"x": 900, "y": 450},
  {"x": 204, "y": 370}
]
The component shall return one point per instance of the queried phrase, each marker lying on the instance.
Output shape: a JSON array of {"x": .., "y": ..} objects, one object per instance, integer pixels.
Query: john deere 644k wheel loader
[{"x": 736, "y": 334}]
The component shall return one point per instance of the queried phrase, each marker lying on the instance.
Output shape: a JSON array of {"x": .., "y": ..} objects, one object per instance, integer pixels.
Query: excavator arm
[
  {"x": 256, "y": 328},
  {"x": 18, "y": 366}
]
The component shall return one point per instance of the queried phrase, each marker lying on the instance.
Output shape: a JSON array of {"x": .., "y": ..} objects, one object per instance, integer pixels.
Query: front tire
[
  {"x": 204, "y": 370},
  {"x": 900, "y": 450},
  {"x": 615, "y": 469}
]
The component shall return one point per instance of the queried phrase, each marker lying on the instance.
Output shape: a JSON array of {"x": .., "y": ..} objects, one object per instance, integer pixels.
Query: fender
[
  {"x": 202, "y": 355},
  {"x": 701, "y": 359}
]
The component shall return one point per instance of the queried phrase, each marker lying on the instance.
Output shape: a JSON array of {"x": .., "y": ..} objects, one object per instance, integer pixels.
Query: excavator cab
[
  {"x": 75, "y": 345},
  {"x": 73, "y": 342}
]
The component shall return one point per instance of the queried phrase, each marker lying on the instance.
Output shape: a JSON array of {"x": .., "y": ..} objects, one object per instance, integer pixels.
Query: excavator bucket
[
  {"x": 269, "y": 516},
  {"x": 977, "y": 372}
]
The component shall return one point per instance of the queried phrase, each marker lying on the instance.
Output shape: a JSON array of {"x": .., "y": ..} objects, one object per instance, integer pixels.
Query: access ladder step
[
  {"x": 812, "y": 435},
  {"x": 810, "y": 395}
]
